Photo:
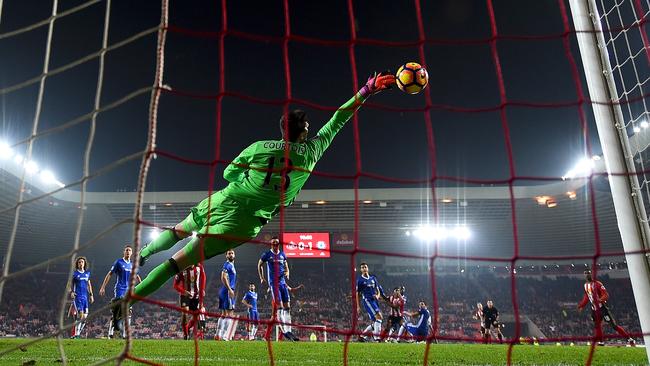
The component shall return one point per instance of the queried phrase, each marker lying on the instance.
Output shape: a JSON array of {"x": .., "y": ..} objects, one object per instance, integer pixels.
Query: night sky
[{"x": 546, "y": 141}]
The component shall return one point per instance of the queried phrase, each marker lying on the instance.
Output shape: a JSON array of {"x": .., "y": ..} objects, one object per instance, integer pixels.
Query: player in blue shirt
[
  {"x": 227, "y": 297},
  {"x": 122, "y": 271},
  {"x": 250, "y": 301},
  {"x": 419, "y": 330},
  {"x": 371, "y": 291},
  {"x": 277, "y": 273},
  {"x": 81, "y": 293}
]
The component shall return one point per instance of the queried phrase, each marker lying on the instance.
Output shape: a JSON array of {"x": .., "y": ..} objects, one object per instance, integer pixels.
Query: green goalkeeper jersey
[{"x": 256, "y": 175}]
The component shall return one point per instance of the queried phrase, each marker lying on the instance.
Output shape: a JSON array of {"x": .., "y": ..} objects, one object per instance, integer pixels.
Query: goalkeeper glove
[{"x": 376, "y": 83}]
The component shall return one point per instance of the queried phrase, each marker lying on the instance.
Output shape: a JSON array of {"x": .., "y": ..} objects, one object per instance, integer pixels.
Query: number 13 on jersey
[{"x": 279, "y": 170}]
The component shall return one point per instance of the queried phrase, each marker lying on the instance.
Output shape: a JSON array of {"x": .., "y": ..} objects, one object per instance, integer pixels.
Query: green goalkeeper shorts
[{"x": 222, "y": 223}]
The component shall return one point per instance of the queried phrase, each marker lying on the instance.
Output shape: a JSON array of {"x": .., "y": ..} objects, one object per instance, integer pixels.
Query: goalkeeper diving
[{"x": 260, "y": 180}]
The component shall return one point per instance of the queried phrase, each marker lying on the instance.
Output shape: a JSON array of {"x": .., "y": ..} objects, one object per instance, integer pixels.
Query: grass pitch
[{"x": 177, "y": 352}]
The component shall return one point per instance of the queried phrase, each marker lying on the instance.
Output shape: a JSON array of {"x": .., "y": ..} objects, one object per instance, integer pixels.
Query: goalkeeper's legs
[
  {"x": 208, "y": 212},
  {"x": 233, "y": 230},
  {"x": 168, "y": 238}
]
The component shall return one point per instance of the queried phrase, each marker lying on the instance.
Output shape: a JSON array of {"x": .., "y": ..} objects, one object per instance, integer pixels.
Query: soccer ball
[{"x": 412, "y": 78}]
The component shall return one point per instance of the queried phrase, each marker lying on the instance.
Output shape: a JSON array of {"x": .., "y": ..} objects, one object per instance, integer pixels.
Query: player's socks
[
  {"x": 155, "y": 279},
  {"x": 621, "y": 331},
  {"x": 390, "y": 332},
  {"x": 287, "y": 319},
  {"x": 226, "y": 329},
  {"x": 599, "y": 333},
  {"x": 279, "y": 316},
  {"x": 251, "y": 335},
  {"x": 190, "y": 324},
  {"x": 164, "y": 241},
  {"x": 227, "y": 334},
  {"x": 220, "y": 327},
  {"x": 376, "y": 329},
  {"x": 400, "y": 332},
  {"x": 369, "y": 328}
]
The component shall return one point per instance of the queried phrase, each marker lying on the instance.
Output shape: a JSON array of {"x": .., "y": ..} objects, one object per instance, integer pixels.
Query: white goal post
[{"x": 613, "y": 135}]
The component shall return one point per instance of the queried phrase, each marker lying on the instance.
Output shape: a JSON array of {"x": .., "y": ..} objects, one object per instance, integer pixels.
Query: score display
[{"x": 306, "y": 245}]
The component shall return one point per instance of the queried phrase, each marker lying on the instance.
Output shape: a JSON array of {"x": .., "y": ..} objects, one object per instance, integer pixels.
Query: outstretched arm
[{"x": 375, "y": 84}]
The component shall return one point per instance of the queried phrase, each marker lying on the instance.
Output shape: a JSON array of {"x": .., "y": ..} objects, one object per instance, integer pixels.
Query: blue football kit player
[
  {"x": 277, "y": 274},
  {"x": 122, "y": 271},
  {"x": 250, "y": 301},
  {"x": 368, "y": 292},
  {"x": 81, "y": 293},
  {"x": 227, "y": 297}
]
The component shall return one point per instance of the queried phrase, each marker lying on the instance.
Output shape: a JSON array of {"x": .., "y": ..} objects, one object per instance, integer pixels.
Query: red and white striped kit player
[
  {"x": 597, "y": 295},
  {"x": 398, "y": 305},
  {"x": 190, "y": 284},
  {"x": 396, "y": 302}
]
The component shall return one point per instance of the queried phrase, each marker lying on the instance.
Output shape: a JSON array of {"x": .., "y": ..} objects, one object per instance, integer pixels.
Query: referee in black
[{"x": 491, "y": 314}]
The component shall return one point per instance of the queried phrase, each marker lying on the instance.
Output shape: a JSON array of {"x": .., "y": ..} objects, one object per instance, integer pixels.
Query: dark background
[{"x": 545, "y": 141}]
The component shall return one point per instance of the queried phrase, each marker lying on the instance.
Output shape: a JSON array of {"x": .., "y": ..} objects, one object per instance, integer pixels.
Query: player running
[
  {"x": 227, "y": 297},
  {"x": 190, "y": 284},
  {"x": 261, "y": 179},
  {"x": 277, "y": 274},
  {"x": 371, "y": 291},
  {"x": 596, "y": 294},
  {"x": 420, "y": 330},
  {"x": 122, "y": 270},
  {"x": 250, "y": 301},
  {"x": 491, "y": 320},
  {"x": 81, "y": 294}
]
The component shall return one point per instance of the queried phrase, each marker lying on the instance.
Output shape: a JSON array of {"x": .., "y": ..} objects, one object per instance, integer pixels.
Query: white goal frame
[{"x": 616, "y": 152}]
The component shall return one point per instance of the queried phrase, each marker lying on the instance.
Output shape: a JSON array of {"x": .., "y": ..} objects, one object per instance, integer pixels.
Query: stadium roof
[{"x": 47, "y": 226}]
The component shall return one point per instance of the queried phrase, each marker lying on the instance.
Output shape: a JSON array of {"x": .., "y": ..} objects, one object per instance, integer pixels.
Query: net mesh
[
  {"x": 626, "y": 39},
  {"x": 627, "y": 43}
]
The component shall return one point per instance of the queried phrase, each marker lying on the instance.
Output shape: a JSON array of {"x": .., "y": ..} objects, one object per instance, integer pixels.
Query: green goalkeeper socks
[
  {"x": 164, "y": 241},
  {"x": 155, "y": 279}
]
